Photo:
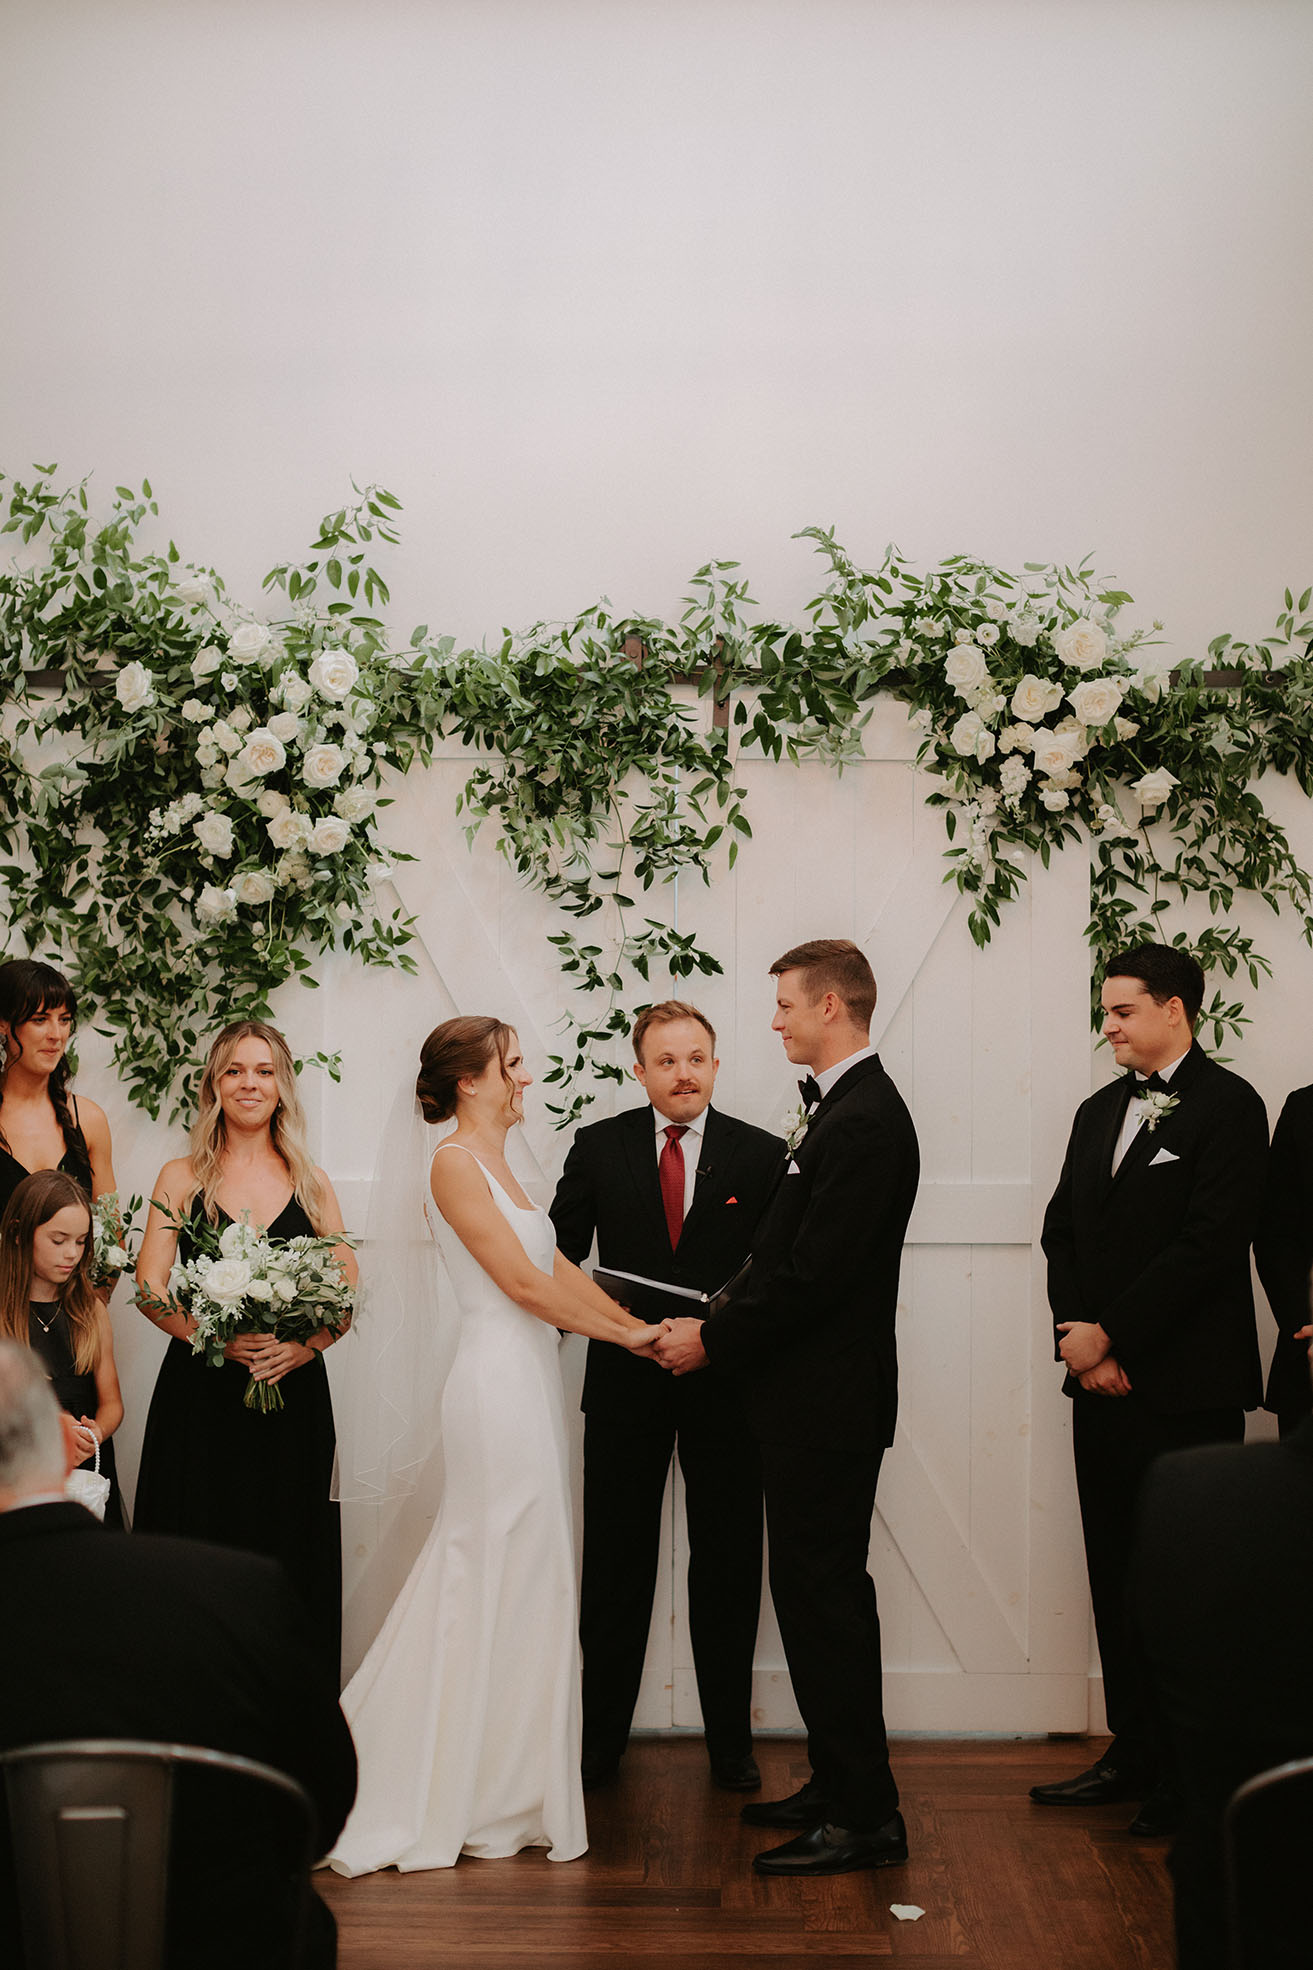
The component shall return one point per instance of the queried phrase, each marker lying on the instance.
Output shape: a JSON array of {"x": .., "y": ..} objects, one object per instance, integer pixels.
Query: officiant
[{"x": 673, "y": 1190}]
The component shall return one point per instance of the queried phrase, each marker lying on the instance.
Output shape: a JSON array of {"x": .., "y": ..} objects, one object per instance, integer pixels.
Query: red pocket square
[{"x": 731, "y": 1200}]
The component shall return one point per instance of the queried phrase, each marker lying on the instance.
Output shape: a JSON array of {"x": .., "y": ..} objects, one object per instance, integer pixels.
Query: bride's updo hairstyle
[{"x": 457, "y": 1049}]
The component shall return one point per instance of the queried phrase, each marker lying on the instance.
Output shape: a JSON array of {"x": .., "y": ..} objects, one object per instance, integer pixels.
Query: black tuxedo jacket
[
  {"x": 610, "y": 1186},
  {"x": 138, "y": 1636},
  {"x": 1223, "y": 1595},
  {"x": 1159, "y": 1253},
  {"x": 1283, "y": 1248},
  {"x": 813, "y": 1336}
]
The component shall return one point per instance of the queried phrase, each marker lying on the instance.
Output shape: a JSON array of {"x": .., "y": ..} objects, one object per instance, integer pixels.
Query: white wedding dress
[{"x": 466, "y": 1710}]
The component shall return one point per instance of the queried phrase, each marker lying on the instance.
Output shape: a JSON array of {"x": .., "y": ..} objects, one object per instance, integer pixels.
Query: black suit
[
  {"x": 1284, "y": 1251},
  {"x": 812, "y": 1342},
  {"x": 635, "y": 1413},
  {"x": 1223, "y": 1584},
  {"x": 1159, "y": 1256},
  {"x": 168, "y": 1640}
]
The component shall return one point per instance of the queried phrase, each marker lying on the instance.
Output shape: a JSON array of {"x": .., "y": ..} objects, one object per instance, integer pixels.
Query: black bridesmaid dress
[
  {"x": 213, "y": 1469},
  {"x": 49, "y": 1336},
  {"x": 75, "y": 1162}
]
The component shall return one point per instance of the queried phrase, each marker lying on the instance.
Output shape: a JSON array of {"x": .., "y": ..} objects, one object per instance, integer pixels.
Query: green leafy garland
[{"x": 189, "y": 796}]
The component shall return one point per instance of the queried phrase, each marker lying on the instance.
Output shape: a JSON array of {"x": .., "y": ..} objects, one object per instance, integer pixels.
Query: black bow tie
[
  {"x": 1153, "y": 1084},
  {"x": 810, "y": 1091}
]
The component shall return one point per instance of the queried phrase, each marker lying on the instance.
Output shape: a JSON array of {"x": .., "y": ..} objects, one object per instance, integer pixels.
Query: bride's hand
[{"x": 642, "y": 1340}]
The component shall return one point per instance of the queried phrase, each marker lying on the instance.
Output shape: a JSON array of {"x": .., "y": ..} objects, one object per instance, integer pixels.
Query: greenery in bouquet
[
  {"x": 112, "y": 1231},
  {"x": 242, "y": 1281}
]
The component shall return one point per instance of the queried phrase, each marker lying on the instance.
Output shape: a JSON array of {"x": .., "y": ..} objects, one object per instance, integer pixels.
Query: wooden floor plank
[{"x": 1006, "y": 1885}]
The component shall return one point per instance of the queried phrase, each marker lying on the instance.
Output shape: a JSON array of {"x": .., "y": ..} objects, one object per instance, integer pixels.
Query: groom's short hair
[
  {"x": 661, "y": 1015},
  {"x": 1166, "y": 971},
  {"x": 833, "y": 964}
]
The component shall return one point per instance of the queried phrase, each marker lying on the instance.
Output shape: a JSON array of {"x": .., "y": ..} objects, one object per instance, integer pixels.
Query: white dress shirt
[
  {"x": 827, "y": 1080},
  {"x": 691, "y": 1144},
  {"x": 1134, "y": 1116}
]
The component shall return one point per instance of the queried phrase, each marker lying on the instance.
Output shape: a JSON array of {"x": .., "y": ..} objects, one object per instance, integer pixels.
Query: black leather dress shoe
[
  {"x": 1101, "y": 1785},
  {"x": 1159, "y": 1815},
  {"x": 736, "y": 1774},
  {"x": 837, "y": 1850},
  {"x": 802, "y": 1808}
]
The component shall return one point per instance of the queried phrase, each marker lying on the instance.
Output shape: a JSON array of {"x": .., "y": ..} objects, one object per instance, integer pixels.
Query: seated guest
[
  {"x": 1283, "y": 1249},
  {"x": 1223, "y": 1594},
  {"x": 159, "y": 1639}
]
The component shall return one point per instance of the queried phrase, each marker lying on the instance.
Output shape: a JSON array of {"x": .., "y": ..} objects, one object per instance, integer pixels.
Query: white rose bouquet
[
  {"x": 111, "y": 1230},
  {"x": 242, "y": 1281}
]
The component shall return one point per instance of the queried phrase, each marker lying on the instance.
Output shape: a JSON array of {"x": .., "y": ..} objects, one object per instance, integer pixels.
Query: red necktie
[{"x": 670, "y": 1169}]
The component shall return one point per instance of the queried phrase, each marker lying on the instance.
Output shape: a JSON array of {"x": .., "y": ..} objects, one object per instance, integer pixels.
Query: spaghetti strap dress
[{"x": 213, "y": 1469}]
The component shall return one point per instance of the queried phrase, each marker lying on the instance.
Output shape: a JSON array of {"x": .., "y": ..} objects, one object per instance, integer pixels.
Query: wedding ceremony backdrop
[{"x": 692, "y": 309}]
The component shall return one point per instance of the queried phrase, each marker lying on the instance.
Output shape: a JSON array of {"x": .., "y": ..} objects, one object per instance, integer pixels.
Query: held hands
[
  {"x": 680, "y": 1347},
  {"x": 1085, "y": 1345},
  {"x": 641, "y": 1341}
]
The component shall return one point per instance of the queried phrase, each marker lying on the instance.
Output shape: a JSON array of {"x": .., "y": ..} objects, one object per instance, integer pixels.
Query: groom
[{"x": 812, "y": 1344}]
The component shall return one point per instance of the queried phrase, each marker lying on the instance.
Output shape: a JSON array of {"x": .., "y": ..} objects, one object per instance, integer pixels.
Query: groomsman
[
  {"x": 812, "y": 1342},
  {"x": 674, "y": 1191},
  {"x": 1147, "y": 1238},
  {"x": 1283, "y": 1249}
]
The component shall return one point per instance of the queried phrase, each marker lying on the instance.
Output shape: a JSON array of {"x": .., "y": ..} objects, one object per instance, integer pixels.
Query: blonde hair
[
  {"x": 37, "y": 1199},
  {"x": 209, "y": 1136}
]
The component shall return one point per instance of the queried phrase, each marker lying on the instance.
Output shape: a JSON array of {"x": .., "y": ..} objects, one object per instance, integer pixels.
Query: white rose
[
  {"x": 985, "y": 744},
  {"x": 965, "y": 668},
  {"x": 1082, "y": 644},
  {"x": 222, "y": 734},
  {"x": 333, "y": 672},
  {"x": 240, "y": 720},
  {"x": 255, "y": 888},
  {"x": 996, "y": 610},
  {"x": 249, "y": 643},
  {"x": 1034, "y": 698},
  {"x": 329, "y": 836},
  {"x": 323, "y": 766},
  {"x": 965, "y": 735},
  {"x": 1152, "y": 789},
  {"x": 215, "y": 833},
  {"x": 1055, "y": 800},
  {"x": 1149, "y": 683},
  {"x": 1096, "y": 700},
  {"x": 1126, "y": 727},
  {"x": 1025, "y": 631},
  {"x": 961, "y": 636},
  {"x": 193, "y": 590},
  {"x": 293, "y": 870},
  {"x": 263, "y": 752},
  {"x": 215, "y": 905},
  {"x": 294, "y": 691},
  {"x": 289, "y": 829},
  {"x": 285, "y": 725},
  {"x": 227, "y": 1281},
  {"x": 195, "y": 712},
  {"x": 1056, "y": 752},
  {"x": 987, "y": 635},
  {"x": 284, "y": 1288},
  {"x": 206, "y": 662},
  {"x": 355, "y": 803},
  {"x": 1016, "y": 738},
  {"x": 207, "y": 755},
  {"x": 234, "y": 1239},
  {"x": 929, "y": 626},
  {"x": 229, "y": 680},
  {"x": 260, "y": 1289},
  {"x": 272, "y": 802},
  {"x": 134, "y": 687}
]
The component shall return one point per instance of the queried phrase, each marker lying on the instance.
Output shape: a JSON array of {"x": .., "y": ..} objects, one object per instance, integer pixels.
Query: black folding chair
[
  {"x": 1267, "y": 1840},
  {"x": 135, "y": 1856}
]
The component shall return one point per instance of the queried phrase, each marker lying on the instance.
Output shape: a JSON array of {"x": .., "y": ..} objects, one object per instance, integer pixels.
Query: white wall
[{"x": 601, "y": 290}]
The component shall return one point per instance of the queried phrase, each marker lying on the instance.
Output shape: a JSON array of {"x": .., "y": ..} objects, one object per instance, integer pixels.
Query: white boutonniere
[
  {"x": 795, "y": 1127},
  {"x": 1154, "y": 1107}
]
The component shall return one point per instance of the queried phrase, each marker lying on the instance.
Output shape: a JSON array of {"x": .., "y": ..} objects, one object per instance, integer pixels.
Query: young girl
[{"x": 47, "y": 1303}]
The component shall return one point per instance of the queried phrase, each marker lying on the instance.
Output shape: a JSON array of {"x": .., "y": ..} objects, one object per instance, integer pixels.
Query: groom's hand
[
  {"x": 680, "y": 1348},
  {"x": 1084, "y": 1344}
]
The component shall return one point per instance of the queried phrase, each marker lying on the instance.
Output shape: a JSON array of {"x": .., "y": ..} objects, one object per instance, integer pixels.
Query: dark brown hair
[
  {"x": 28, "y": 988},
  {"x": 456, "y": 1048},
  {"x": 37, "y": 1199},
  {"x": 833, "y": 964},
  {"x": 1166, "y": 971},
  {"x": 662, "y": 1015}
]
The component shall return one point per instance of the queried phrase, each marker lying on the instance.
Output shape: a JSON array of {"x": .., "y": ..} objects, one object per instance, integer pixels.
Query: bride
[{"x": 465, "y": 1711}]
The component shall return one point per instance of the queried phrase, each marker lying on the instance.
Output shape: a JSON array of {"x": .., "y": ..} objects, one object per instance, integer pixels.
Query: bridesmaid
[
  {"x": 43, "y": 1124},
  {"x": 210, "y": 1467}
]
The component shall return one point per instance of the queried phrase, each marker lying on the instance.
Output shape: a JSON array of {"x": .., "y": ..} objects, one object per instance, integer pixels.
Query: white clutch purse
[{"x": 88, "y": 1488}]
